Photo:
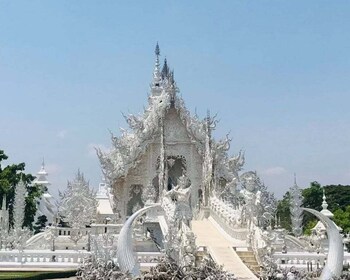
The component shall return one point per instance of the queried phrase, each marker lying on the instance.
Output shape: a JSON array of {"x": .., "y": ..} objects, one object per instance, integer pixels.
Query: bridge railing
[
  {"x": 149, "y": 257},
  {"x": 63, "y": 256},
  {"x": 228, "y": 218},
  {"x": 42, "y": 256}
]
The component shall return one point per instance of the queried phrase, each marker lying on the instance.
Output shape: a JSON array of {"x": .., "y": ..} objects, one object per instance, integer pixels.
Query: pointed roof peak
[
  {"x": 156, "y": 72},
  {"x": 325, "y": 210},
  {"x": 324, "y": 202},
  {"x": 42, "y": 175},
  {"x": 42, "y": 170},
  {"x": 165, "y": 69},
  {"x": 157, "y": 50}
]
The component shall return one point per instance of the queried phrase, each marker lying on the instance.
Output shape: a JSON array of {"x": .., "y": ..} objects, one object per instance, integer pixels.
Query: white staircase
[{"x": 220, "y": 247}]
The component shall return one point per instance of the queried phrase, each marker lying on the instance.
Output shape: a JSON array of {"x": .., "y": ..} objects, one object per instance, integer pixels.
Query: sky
[{"x": 277, "y": 73}]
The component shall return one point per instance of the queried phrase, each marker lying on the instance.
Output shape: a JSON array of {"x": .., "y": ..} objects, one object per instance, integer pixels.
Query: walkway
[{"x": 220, "y": 247}]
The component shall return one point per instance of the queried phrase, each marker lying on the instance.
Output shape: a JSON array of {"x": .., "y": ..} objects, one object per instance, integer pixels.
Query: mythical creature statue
[
  {"x": 180, "y": 241},
  {"x": 176, "y": 203},
  {"x": 251, "y": 195}
]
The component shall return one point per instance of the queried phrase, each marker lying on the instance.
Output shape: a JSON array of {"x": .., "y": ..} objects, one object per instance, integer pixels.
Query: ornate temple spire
[
  {"x": 42, "y": 176},
  {"x": 325, "y": 210},
  {"x": 165, "y": 70},
  {"x": 324, "y": 202},
  {"x": 296, "y": 200},
  {"x": 156, "y": 73}
]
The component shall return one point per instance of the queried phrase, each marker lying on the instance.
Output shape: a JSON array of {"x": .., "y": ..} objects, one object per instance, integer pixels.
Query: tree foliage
[
  {"x": 283, "y": 212},
  {"x": 40, "y": 224},
  {"x": 342, "y": 218},
  {"x": 338, "y": 199},
  {"x": 10, "y": 175}
]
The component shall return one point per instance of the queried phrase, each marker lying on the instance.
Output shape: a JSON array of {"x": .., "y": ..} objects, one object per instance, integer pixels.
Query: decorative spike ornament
[
  {"x": 78, "y": 205},
  {"x": 296, "y": 200},
  {"x": 19, "y": 205},
  {"x": 165, "y": 70},
  {"x": 157, "y": 50},
  {"x": 157, "y": 76}
]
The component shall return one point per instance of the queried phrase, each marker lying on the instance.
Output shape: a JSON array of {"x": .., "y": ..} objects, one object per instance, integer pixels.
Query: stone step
[
  {"x": 221, "y": 248},
  {"x": 249, "y": 260},
  {"x": 245, "y": 253}
]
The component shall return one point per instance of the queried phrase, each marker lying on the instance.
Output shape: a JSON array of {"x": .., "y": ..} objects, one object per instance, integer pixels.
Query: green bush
[{"x": 35, "y": 275}]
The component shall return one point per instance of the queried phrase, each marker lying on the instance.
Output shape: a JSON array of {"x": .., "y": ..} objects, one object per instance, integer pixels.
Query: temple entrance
[{"x": 175, "y": 168}]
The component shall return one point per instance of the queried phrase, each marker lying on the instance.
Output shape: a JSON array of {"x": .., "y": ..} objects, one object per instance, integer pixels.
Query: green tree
[
  {"x": 342, "y": 218},
  {"x": 338, "y": 199},
  {"x": 313, "y": 196},
  {"x": 283, "y": 212},
  {"x": 40, "y": 223},
  {"x": 312, "y": 199},
  {"x": 9, "y": 178},
  {"x": 338, "y": 196}
]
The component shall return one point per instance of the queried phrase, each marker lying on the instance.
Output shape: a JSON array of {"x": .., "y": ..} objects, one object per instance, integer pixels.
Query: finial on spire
[
  {"x": 165, "y": 69},
  {"x": 156, "y": 73},
  {"x": 295, "y": 179},
  {"x": 324, "y": 202},
  {"x": 157, "y": 50}
]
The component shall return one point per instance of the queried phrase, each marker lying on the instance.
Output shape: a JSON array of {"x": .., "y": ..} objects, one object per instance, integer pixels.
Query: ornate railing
[
  {"x": 149, "y": 257},
  {"x": 42, "y": 256},
  {"x": 62, "y": 256},
  {"x": 228, "y": 218},
  {"x": 299, "y": 258},
  {"x": 304, "y": 258}
]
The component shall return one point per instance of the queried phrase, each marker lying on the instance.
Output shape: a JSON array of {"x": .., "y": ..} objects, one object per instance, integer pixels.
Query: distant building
[{"x": 46, "y": 204}]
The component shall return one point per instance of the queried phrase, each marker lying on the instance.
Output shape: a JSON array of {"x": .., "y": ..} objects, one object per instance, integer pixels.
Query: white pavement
[{"x": 220, "y": 247}]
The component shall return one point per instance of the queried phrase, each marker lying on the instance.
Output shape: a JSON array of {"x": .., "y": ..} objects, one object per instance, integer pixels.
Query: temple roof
[
  {"x": 143, "y": 129},
  {"x": 42, "y": 176},
  {"x": 127, "y": 150}
]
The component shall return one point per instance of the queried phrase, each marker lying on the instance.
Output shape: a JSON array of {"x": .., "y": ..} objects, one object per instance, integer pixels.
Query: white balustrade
[
  {"x": 39, "y": 256},
  {"x": 227, "y": 218},
  {"x": 149, "y": 257}
]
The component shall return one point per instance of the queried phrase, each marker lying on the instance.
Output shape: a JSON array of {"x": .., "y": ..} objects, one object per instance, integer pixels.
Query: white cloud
[
  {"x": 273, "y": 171},
  {"x": 91, "y": 148},
  {"x": 62, "y": 134}
]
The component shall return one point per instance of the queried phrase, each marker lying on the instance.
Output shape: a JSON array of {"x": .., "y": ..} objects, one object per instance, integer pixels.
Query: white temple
[{"x": 170, "y": 188}]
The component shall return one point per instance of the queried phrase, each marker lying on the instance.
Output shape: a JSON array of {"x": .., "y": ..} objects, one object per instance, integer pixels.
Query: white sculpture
[
  {"x": 19, "y": 234},
  {"x": 177, "y": 199},
  {"x": 19, "y": 205},
  {"x": 77, "y": 206},
  {"x": 334, "y": 264},
  {"x": 125, "y": 254},
  {"x": 296, "y": 200}
]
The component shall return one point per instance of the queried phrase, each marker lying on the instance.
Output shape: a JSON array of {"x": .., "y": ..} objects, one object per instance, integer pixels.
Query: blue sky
[{"x": 276, "y": 72}]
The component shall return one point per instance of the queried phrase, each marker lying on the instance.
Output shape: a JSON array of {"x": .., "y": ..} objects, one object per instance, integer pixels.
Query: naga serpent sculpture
[
  {"x": 334, "y": 264},
  {"x": 125, "y": 253},
  {"x": 333, "y": 268}
]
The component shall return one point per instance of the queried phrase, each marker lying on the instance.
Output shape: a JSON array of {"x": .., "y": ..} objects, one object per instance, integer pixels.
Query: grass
[{"x": 35, "y": 275}]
